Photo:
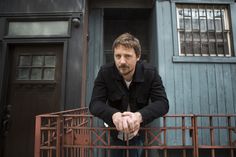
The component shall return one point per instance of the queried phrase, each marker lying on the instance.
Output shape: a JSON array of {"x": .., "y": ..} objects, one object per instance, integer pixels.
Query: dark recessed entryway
[{"x": 131, "y": 20}]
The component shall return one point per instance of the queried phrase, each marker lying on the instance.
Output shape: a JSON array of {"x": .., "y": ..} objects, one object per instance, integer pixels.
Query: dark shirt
[{"x": 111, "y": 95}]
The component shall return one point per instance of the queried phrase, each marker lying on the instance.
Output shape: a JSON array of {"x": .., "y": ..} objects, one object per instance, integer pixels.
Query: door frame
[{"x": 5, "y": 67}]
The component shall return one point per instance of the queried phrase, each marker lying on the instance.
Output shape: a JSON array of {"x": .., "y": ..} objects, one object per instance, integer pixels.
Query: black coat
[{"x": 111, "y": 95}]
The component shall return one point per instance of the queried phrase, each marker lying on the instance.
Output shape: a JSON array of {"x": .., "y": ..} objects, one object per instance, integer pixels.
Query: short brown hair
[{"x": 129, "y": 41}]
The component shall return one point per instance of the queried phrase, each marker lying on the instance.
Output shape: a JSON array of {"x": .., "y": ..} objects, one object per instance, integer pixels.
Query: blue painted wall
[{"x": 202, "y": 86}]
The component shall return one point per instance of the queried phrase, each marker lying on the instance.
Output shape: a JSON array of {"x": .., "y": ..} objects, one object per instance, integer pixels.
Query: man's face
[{"x": 125, "y": 60}]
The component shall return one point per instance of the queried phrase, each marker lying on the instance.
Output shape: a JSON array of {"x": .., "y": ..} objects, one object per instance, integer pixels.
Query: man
[{"x": 122, "y": 91}]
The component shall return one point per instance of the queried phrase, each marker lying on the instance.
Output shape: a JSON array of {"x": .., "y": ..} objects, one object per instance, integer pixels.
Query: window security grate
[{"x": 203, "y": 30}]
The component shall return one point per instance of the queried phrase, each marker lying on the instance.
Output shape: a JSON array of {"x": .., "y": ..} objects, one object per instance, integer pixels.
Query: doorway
[
  {"x": 34, "y": 87},
  {"x": 140, "y": 22},
  {"x": 105, "y": 25},
  {"x": 131, "y": 20}
]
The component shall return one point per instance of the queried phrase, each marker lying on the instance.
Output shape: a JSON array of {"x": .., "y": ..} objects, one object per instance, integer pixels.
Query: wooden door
[{"x": 34, "y": 88}]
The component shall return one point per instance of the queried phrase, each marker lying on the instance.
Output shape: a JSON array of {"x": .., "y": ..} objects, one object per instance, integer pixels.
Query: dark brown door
[{"x": 33, "y": 88}]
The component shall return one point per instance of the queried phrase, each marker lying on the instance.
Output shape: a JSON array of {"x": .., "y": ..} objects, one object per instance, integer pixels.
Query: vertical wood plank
[
  {"x": 195, "y": 89},
  {"x": 95, "y": 48},
  {"x": 220, "y": 98},
  {"x": 204, "y": 107},
  {"x": 233, "y": 79},
  {"x": 228, "y": 97},
  {"x": 228, "y": 89},
  {"x": 187, "y": 94},
  {"x": 212, "y": 92},
  {"x": 212, "y": 89},
  {"x": 179, "y": 100},
  {"x": 160, "y": 42},
  {"x": 160, "y": 54}
]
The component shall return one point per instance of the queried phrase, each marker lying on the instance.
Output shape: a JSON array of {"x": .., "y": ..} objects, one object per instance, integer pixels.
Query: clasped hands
[{"x": 127, "y": 122}]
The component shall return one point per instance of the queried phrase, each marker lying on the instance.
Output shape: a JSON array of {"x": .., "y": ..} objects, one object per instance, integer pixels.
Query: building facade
[{"x": 51, "y": 51}]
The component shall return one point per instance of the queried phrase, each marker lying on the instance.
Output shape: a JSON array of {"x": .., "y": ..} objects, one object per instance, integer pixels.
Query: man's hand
[
  {"x": 127, "y": 122},
  {"x": 118, "y": 120},
  {"x": 133, "y": 121}
]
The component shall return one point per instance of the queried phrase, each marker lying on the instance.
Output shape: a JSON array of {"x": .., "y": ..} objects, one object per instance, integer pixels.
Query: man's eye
[
  {"x": 117, "y": 56},
  {"x": 127, "y": 56}
]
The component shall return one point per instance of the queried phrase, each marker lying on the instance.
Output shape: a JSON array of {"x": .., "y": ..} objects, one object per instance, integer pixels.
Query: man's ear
[{"x": 138, "y": 57}]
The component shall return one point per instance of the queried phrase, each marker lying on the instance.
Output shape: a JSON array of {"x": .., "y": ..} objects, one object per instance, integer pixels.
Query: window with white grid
[{"x": 203, "y": 30}]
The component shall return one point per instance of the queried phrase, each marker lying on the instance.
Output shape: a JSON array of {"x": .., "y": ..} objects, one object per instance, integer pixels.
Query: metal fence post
[
  {"x": 58, "y": 143},
  {"x": 37, "y": 136},
  {"x": 195, "y": 136}
]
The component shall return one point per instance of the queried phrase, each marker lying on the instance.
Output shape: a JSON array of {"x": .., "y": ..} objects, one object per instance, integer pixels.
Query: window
[
  {"x": 203, "y": 30},
  {"x": 36, "y": 67},
  {"x": 40, "y": 28}
]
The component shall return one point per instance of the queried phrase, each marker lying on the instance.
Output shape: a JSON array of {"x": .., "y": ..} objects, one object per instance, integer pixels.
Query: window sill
[{"x": 203, "y": 59}]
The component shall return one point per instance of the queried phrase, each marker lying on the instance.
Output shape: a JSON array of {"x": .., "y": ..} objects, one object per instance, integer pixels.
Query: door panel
[{"x": 34, "y": 88}]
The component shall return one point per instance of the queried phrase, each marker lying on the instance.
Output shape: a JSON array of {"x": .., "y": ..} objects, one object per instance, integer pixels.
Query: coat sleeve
[
  {"x": 98, "y": 105},
  {"x": 159, "y": 104}
]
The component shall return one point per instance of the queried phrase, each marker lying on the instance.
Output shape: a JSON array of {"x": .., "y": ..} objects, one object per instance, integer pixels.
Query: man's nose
[{"x": 122, "y": 60}]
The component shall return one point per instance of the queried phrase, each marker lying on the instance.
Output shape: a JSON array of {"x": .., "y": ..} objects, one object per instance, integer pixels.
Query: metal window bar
[
  {"x": 185, "y": 52},
  {"x": 216, "y": 43},
  {"x": 223, "y": 31},
  {"x": 199, "y": 25},
  {"x": 208, "y": 39},
  {"x": 191, "y": 21}
]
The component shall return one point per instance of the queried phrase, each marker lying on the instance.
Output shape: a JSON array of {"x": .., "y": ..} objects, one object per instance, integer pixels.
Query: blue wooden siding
[
  {"x": 198, "y": 88},
  {"x": 95, "y": 48},
  {"x": 203, "y": 86}
]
